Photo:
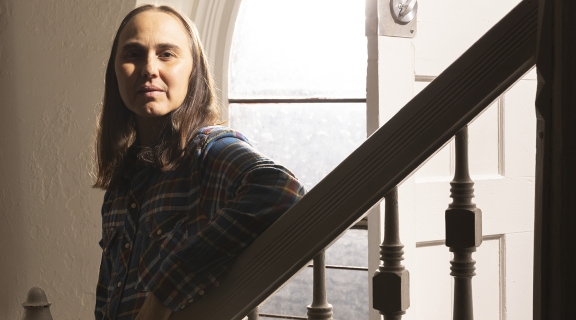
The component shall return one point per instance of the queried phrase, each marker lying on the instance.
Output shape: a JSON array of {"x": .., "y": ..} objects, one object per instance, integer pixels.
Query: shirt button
[
  {"x": 133, "y": 205},
  {"x": 119, "y": 284},
  {"x": 182, "y": 306},
  {"x": 105, "y": 249},
  {"x": 159, "y": 232},
  {"x": 200, "y": 292},
  {"x": 127, "y": 245}
]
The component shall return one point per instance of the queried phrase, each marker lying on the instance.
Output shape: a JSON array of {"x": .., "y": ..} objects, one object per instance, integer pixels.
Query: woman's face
[{"x": 153, "y": 64}]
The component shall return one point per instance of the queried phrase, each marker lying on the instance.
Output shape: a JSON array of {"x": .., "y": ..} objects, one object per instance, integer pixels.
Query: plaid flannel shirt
[{"x": 175, "y": 234}]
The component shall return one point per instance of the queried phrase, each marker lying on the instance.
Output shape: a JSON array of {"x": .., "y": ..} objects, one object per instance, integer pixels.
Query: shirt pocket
[
  {"x": 110, "y": 243},
  {"x": 162, "y": 234},
  {"x": 111, "y": 260}
]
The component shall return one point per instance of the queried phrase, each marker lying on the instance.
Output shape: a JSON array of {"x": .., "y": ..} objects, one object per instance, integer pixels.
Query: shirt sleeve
[
  {"x": 103, "y": 277},
  {"x": 246, "y": 193},
  {"x": 101, "y": 290}
]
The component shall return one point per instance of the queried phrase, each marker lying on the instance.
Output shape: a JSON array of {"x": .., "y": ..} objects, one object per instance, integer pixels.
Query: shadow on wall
[
  {"x": 52, "y": 60},
  {"x": 11, "y": 197}
]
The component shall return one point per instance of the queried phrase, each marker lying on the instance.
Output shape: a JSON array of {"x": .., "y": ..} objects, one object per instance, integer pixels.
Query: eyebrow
[{"x": 137, "y": 45}]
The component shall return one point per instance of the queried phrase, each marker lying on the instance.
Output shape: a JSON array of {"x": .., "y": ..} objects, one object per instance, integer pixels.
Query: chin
[
  {"x": 153, "y": 115},
  {"x": 153, "y": 112}
]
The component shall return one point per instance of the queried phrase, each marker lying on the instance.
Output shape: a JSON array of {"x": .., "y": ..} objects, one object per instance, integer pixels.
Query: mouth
[{"x": 149, "y": 90}]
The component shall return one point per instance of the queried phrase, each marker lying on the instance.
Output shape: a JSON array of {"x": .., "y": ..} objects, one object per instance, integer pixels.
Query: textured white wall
[{"x": 52, "y": 59}]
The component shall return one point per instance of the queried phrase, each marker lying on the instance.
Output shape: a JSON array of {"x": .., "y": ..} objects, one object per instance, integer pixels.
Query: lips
[{"x": 150, "y": 90}]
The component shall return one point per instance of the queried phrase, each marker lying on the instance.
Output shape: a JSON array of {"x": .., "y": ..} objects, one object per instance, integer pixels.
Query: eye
[
  {"x": 131, "y": 55},
  {"x": 167, "y": 55}
]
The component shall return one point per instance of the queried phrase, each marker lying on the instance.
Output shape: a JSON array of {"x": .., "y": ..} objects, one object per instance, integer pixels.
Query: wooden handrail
[{"x": 383, "y": 161}]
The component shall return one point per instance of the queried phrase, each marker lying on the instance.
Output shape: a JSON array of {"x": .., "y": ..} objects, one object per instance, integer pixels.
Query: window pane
[
  {"x": 299, "y": 48},
  {"x": 310, "y": 139},
  {"x": 293, "y": 298},
  {"x": 349, "y": 250},
  {"x": 347, "y": 292}
]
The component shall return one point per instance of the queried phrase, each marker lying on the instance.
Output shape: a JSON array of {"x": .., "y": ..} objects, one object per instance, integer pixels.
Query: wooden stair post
[
  {"x": 320, "y": 309},
  {"x": 555, "y": 214},
  {"x": 391, "y": 282},
  {"x": 36, "y": 305},
  {"x": 463, "y": 230}
]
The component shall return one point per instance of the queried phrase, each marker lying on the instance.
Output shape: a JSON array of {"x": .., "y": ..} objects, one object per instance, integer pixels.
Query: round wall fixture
[{"x": 403, "y": 11}]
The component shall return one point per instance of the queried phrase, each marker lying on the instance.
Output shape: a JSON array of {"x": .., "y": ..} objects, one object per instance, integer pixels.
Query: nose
[{"x": 150, "y": 68}]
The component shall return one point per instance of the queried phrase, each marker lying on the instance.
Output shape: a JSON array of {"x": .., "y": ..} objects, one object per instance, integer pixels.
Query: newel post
[
  {"x": 463, "y": 230},
  {"x": 36, "y": 305},
  {"x": 555, "y": 201}
]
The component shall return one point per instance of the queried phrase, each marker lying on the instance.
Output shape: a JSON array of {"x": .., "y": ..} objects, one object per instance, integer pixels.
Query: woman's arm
[{"x": 249, "y": 193}]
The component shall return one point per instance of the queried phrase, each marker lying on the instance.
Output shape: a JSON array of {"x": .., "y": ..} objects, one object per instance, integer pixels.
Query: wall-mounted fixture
[{"x": 397, "y": 18}]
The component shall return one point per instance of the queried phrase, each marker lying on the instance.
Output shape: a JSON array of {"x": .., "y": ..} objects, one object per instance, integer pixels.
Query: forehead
[{"x": 155, "y": 26}]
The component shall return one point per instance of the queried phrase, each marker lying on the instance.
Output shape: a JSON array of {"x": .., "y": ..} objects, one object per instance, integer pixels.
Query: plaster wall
[{"x": 52, "y": 60}]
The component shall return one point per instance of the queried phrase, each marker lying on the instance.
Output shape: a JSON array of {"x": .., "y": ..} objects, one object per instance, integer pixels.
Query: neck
[{"x": 148, "y": 130}]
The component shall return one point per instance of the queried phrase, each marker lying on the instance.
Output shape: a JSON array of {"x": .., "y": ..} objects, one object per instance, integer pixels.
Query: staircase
[{"x": 380, "y": 164}]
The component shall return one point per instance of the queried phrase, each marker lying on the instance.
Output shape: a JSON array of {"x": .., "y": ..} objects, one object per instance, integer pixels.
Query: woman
[{"x": 183, "y": 196}]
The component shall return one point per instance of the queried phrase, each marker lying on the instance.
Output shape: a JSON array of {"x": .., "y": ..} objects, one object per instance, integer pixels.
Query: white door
[{"x": 502, "y": 159}]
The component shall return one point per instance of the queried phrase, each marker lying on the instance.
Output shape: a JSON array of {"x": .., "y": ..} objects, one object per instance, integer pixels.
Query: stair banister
[{"x": 384, "y": 160}]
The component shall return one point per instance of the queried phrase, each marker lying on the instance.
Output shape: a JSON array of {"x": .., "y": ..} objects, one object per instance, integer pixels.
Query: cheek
[
  {"x": 180, "y": 78},
  {"x": 124, "y": 73}
]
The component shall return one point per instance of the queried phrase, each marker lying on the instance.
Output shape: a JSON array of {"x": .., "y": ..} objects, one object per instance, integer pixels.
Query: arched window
[{"x": 297, "y": 90}]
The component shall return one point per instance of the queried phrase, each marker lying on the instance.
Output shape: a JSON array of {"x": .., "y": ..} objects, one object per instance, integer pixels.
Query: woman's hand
[{"x": 153, "y": 309}]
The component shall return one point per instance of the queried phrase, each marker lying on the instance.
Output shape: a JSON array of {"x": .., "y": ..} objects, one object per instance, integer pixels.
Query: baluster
[
  {"x": 320, "y": 308},
  {"x": 391, "y": 282},
  {"x": 253, "y": 315},
  {"x": 463, "y": 230},
  {"x": 36, "y": 306}
]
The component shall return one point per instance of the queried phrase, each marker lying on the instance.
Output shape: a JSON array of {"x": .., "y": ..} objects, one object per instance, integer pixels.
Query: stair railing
[{"x": 382, "y": 162}]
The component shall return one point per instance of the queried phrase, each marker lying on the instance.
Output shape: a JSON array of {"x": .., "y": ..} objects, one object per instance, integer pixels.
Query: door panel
[
  {"x": 502, "y": 161},
  {"x": 518, "y": 282},
  {"x": 502, "y": 140},
  {"x": 432, "y": 262},
  {"x": 520, "y": 119},
  {"x": 446, "y": 28}
]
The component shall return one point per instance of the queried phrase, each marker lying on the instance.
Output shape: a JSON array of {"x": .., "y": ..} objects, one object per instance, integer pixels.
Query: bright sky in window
[{"x": 299, "y": 48}]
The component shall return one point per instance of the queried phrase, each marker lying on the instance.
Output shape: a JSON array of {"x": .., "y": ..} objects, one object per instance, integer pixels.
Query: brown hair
[{"x": 116, "y": 127}]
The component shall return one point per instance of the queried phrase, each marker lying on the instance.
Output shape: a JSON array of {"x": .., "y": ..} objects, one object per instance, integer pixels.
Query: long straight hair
[{"x": 116, "y": 126}]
